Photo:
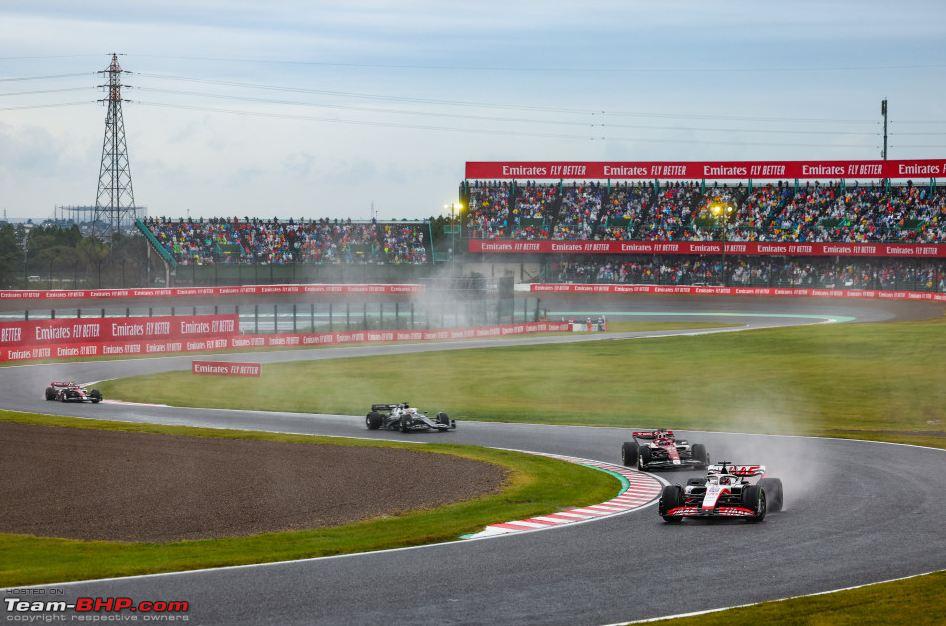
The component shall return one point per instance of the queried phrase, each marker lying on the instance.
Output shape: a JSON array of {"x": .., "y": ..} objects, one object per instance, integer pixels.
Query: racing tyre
[
  {"x": 753, "y": 497},
  {"x": 96, "y": 396},
  {"x": 670, "y": 497},
  {"x": 50, "y": 393},
  {"x": 700, "y": 454},
  {"x": 773, "y": 493},
  {"x": 629, "y": 453},
  {"x": 373, "y": 420},
  {"x": 405, "y": 424},
  {"x": 443, "y": 418},
  {"x": 644, "y": 458}
]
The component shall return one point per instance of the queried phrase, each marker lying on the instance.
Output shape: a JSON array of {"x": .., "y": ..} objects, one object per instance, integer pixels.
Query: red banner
[
  {"x": 183, "y": 292},
  {"x": 225, "y": 368},
  {"x": 689, "y": 290},
  {"x": 545, "y": 246},
  {"x": 138, "y": 348},
  {"x": 699, "y": 170},
  {"x": 94, "y": 330}
]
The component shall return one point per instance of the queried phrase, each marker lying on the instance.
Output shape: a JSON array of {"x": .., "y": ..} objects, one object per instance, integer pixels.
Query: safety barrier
[
  {"x": 233, "y": 290},
  {"x": 787, "y": 292}
]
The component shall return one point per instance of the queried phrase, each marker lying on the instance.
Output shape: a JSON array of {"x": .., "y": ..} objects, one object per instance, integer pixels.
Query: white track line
[{"x": 805, "y": 595}]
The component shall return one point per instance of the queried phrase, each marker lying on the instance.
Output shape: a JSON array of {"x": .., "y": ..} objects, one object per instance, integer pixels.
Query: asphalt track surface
[{"x": 856, "y": 512}]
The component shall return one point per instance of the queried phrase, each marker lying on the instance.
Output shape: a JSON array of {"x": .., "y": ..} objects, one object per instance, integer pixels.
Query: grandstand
[
  {"x": 788, "y": 227},
  {"x": 681, "y": 211}
]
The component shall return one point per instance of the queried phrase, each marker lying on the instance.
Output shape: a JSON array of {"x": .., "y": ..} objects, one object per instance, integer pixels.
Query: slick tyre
[
  {"x": 700, "y": 455},
  {"x": 630, "y": 451},
  {"x": 50, "y": 394},
  {"x": 644, "y": 459},
  {"x": 373, "y": 420},
  {"x": 443, "y": 418},
  {"x": 405, "y": 424},
  {"x": 670, "y": 497},
  {"x": 773, "y": 493},
  {"x": 753, "y": 497},
  {"x": 95, "y": 396}
]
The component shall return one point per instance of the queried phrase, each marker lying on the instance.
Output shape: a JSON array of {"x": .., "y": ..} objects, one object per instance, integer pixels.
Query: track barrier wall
[
  {"x": 228, "y": 341},
  {"x": 213, "y": 292}
]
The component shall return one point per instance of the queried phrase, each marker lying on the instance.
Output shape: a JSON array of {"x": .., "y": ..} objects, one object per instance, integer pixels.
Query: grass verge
[
  {"x": 913, "y": 601},
  {"x": 868, "y": 381},
  {"x": 535, "y": 485}
]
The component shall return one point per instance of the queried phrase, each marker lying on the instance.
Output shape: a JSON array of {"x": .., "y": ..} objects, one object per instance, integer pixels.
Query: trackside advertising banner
[
  {"x": 225, "y": 368},
  {"x": 789, "y": 292},
  {"x": 737, "y": 248},
  {"x": 698, "y": 170},
  {"x": 189, "y": 292},
  {"x": 281, "y": 340},
  {"x": 109, "y": 329}
]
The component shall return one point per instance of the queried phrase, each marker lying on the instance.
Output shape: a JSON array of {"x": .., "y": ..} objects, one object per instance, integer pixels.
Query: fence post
[
  {"x": 255, "y": 319},
  {"x": 412, "y": 315},
  {"x": 173, "y": 312},
  {"x": 52, "y": 314},
  {"x": 364, "y": 316},
  {"x": 312, "y": 317},
  {"x": 293, "y": 318},
  {"x": 380, "y": 315},
  {"x": 331, "y": 321},
  {"x": 103, "y": 313},
  {"x": 397, "y": 315},
  {"x": 128, "y": 312},
  {"x": 26, "y": 314},
  {"x": 347, "y": 315},
  {"x": 275, "y": 318},
  {"x": 78, "y": 313}
]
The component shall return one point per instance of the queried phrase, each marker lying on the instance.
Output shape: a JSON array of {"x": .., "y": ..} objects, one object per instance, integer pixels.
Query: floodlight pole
[{"x": 883, "y": 112}]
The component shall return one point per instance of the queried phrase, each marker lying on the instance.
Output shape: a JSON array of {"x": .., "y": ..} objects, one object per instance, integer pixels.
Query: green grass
[
  {"x": 913, "y": 601},
  {"x": 535, "y": 485},
  {"x": 872, "y": 381}
]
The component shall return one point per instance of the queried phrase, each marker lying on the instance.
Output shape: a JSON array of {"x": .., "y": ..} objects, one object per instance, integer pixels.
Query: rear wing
[
  {"x": 384, "y": 407},
  {"x": 649, "y": 434},
  {"x": 60, "y": 383},
  {"x": 736, "y": 470}
]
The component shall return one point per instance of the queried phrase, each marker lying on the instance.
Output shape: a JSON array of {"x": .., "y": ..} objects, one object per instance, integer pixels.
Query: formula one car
[
  {"x": 728, "y": 491},
  {"x": 405, "y": 418},
  {"x": 72, "y": 392},
  {"x": 660, "y": 449}
]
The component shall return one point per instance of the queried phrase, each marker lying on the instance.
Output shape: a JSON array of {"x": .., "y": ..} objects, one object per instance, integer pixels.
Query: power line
[
  {"x": 597, "y": 69},
  {"x": 47, "y": 76},
  {"x": 41, "y": 91},
  {"x": 500, "y": 119},
  {"x": 46, "y": 106},
  {"x": 336, "y": 120},
  {"x": 467, "y": 103}
]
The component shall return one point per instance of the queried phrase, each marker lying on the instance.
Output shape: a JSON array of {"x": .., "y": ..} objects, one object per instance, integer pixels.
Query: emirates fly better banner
[
  {"x": 545, "y": 246},
  {"x": 111, "y": 329},
  {"x": 698, "y": 170}
]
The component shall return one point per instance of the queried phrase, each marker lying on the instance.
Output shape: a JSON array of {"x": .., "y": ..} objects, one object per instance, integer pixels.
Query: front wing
[{"x": 720, "y": 511}]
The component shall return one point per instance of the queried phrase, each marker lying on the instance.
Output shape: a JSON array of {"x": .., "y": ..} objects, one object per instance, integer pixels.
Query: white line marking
[{"x": 804, "y": 595}]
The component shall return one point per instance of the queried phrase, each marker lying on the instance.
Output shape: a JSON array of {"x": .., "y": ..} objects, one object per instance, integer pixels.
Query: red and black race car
[
  {"x": 72, "y": 392},
  {"x": 660, "y": 449},
  {"x": 728, "y": 491}
]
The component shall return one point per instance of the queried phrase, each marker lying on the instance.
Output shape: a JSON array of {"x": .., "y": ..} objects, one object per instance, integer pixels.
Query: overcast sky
[{"x": 383, "y": 85}]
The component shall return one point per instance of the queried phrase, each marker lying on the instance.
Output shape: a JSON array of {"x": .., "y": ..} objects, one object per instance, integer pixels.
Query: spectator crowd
[
  {"x": 205, "y": 242},
  {"x": 684, "y": 211}
]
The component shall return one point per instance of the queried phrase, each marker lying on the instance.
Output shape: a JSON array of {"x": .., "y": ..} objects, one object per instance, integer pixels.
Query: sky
[{"x": 321, "y": 109}]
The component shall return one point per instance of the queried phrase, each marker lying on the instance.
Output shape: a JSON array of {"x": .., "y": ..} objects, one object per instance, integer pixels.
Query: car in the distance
[
  {"x": 660, "y": 449},
  {"x": 405, "y": 418},
  {"x": 64, "y": 391}
]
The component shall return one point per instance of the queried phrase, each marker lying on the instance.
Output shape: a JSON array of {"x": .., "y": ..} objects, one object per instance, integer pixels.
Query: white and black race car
[
  {"x": 727, "y": 491},
  {"x": 405, "y": 418},
  {"x": 660, "y": 449},
  {"x": 72, "y": 392}
]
